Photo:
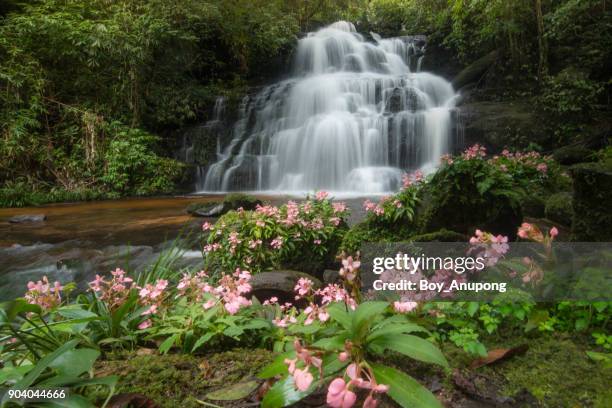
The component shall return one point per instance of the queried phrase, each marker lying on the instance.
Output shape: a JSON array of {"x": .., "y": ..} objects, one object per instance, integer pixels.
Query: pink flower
[
  {"x": 206, "y": 226},
  {"x": 343, "y": 356},
  {"x": 370, "y": 402},
  {"x": 553, "y": 232},
  {"x": 302, "y": 379},
  {"x": 339, "y": 396},
  {"x": 303, "y": 287},
  {"x": 339, "y": 207},
  {"x": 145, "y": 325},
  {"x": 321, "y": 195},
  {"x": 277, "y": 243},
  {"x": 542, "y": 168},
  {"x": 404, "y": 307}
]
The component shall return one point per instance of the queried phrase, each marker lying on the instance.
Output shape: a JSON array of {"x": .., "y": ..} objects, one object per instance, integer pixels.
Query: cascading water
[{"x": 352, "y": 119}]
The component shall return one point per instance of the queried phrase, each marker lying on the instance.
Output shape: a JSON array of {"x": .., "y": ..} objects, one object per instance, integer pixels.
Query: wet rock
[
  {"x": 278, "y": 283},
  {"x": 214, "y": 210},
  {"x": 27, "y": 218},
  {"x": 501, "y": 124},
  {"x": 331, "y": 276}
]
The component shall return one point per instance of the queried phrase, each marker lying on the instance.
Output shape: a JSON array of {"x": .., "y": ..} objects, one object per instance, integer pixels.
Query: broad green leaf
[
  {"x": 365, "y": 314},
  {"x": 404, "y": 390},
  {"x": 396, "y": 328},
  {"x": 75, "y": 362},
  {"x": 411, "y": 346},
  {"x": 15, "y": 307},
  {"x": 283, "y": 393},
  {"x": 233, "y": 392},
  {"x": 331, "y": 343},
  {"x": 42, "y": 365},
  {"x": 14, "y": 373},
  {"x": 338, "y": 312}
]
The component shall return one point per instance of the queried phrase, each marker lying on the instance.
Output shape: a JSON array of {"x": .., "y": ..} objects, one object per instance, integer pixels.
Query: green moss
[
  {"x": 178, "y": 380},
  {"x": 556, "y": 371},
  {"x": 559, "y": 208},
  {"x": 234, "y": 201}
]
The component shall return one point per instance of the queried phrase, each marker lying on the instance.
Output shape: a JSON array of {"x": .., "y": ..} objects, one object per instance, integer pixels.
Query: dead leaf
[{"x": 496, "y": 355}]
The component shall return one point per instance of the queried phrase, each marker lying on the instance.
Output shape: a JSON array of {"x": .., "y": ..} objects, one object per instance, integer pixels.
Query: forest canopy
[{"x": 93, "y": 92}]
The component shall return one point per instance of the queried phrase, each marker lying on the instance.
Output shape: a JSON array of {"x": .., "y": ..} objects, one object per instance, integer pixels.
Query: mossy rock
[
  {"x": 179, "y": 380},
  {"x": 533, "y": 205},
  {"x": 238, "y": 200},
  {"x": 231, "y": 202},
  {"x": 569, "y": 155},
  {"x": 559, "y": 208},
  {"x": 591, "y": 202}
]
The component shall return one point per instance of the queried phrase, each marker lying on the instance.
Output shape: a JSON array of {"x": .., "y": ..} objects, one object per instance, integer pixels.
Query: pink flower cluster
[
  {"x": 532, "y": 232},
  {"x": 404, "y": 307},
  {"x": 113, "y": 292},
  {"x": 44, "y": 294},
  {"x": 350, "y": 268},
  {"x": 340, "y": 393},
  {"x": 474, "y": 152},
  {"x": 492, "y": 247},
  {"x": 230, "y": 292},
  {"x": 411, "y": 179},
  {"x": 302, "y": 377},
  {"x": 152, "y": 296}
]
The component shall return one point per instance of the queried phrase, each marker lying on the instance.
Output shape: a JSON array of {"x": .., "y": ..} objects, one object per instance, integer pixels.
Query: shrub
[
  {"x": 570, "y": 92},
  {"x": 272, "y": 237}
]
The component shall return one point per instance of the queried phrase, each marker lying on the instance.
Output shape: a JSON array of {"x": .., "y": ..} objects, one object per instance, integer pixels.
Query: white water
[{"x": 353, "y": 118}]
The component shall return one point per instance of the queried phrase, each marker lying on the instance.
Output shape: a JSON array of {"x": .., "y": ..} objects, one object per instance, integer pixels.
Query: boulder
[
  {"x": 231, "y": 202},
  {"x": 27, "y": 218},
  {"x": 500, "y": 124},
  {"x": 559, "y": 208},
  {"x": 591, "y": 202},
  {"x": 279, "y": 284}
]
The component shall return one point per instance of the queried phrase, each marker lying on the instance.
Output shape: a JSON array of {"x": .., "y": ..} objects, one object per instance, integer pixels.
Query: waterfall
[{"x": 354, "y": 117}]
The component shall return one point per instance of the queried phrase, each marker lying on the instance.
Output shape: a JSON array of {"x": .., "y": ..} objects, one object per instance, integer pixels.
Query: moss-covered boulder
[
  {"x": 231, "y": 202},
  {"x": 533, "y": 205},
  {"x": 591, "y": 202},
  {"x": 569, "y": 155},
  {"x": 559, "y": 208},
  {"x": 442, "y": 235},
  {"x": 468, "y": 196}
]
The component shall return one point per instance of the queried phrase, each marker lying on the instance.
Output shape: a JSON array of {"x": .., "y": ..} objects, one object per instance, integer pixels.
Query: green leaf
[
  {"x": 283, "y": 393},
  {"x": 75, "y": 362},
  {"x": 337, "y": 311},
  {"x": 42, "y": 365},
  {"x": 276, "y": 367},
  {"x": 18, "y": 306},
  {"x": 396, "y": 328},
  {"x": 331, "y": 343},
  {"x": 202, "y": 340},
  {"x": 365, "y": 314},
  {"x": 168, "y": 343},
  {"x": 411, "y": 346},
  {"x": 404, "y": 390},
  {"x": 233, "y": 392}
]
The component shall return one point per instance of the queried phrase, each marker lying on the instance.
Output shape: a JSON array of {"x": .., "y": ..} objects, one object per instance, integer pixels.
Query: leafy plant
[{"x": 357, "y": 339}]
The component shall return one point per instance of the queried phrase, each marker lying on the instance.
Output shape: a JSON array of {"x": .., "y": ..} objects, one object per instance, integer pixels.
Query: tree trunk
[{"x": 542, "y": 47}]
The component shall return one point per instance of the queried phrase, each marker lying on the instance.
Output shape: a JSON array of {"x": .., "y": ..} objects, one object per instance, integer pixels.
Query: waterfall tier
[{"x": 352, "y": 118}]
